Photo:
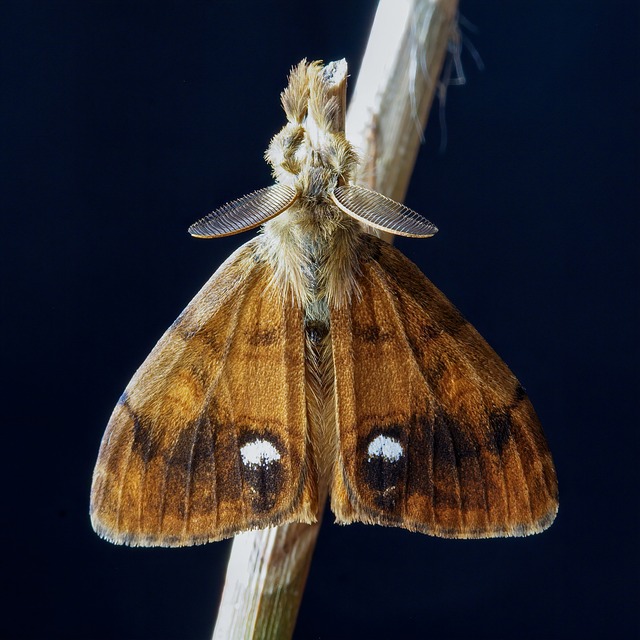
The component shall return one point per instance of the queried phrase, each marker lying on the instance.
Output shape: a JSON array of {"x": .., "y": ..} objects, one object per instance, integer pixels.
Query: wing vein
[
  {"x": 207, "y": 399},
  {"x": 123, "y": 476},
  {"x": 456, "y": 458},
  {"x": 229, "y": 345},
  {"x": 381, "y": 278},
  {"x": 189, "y": 480}
]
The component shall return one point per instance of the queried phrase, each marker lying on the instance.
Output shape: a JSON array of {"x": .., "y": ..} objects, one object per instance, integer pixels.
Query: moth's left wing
[
  {"x": 210, "y": 437},
  {"x": 435, "y": 433}
]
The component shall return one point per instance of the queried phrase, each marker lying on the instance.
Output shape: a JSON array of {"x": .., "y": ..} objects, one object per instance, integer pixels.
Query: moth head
[
  {"x": 313, "y": 164},
  {"x": 311, "y": 153}
]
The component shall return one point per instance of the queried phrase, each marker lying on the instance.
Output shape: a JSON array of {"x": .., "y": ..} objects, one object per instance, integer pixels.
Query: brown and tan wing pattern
[
  {"x": 435, "y": 433},
  {"x": 209, "y": 438}
]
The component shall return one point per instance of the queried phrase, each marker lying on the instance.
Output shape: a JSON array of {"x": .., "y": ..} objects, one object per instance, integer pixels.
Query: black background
[{"x": 123, "y": 122}]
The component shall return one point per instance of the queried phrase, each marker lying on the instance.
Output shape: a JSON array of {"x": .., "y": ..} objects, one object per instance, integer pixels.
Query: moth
[{"x": 318, "y": 359}]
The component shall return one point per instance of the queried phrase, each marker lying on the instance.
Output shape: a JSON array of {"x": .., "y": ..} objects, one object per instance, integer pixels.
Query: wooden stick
[
  {"x": 268, "y": 569},
  {"x": 396, "y": 86},
  {"x": 265, "y": 581},
  {"x": 395, "y": 89}
]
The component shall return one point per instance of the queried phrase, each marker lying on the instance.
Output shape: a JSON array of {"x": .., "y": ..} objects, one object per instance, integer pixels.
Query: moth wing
[
  {"x": 209, "y": 438},
  {"x": 245, "y": 213},
  {"x": 381, "y": 212},
  {"x": 435, "y": 432}
]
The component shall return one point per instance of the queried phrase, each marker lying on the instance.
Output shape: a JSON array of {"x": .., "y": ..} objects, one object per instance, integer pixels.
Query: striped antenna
[
  {"x": 381, "y": 212},
  {"x": 245, "y": 213}
]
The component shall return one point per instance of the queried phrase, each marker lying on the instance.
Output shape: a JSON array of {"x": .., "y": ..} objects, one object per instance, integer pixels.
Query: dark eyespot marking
[
  {"x": 259, "y": 453},
  {"x": 385, "y": 448},
  {"x": 383, "y": 462},
  {"x": 262, "y": 469}
]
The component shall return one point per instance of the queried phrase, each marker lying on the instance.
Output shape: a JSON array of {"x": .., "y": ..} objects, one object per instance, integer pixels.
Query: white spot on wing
[
  {"x": 259, "y": 452},
  {"x": 385, "y": 447}
]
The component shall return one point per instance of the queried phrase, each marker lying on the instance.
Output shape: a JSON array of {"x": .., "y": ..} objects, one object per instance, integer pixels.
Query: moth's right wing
[
  {"x": 210, "y": 436},
  {"x": 435, "y": 433}
]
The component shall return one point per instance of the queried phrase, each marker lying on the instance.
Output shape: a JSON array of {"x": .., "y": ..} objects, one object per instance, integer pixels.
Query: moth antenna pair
[{"x": 367, "y": 206}]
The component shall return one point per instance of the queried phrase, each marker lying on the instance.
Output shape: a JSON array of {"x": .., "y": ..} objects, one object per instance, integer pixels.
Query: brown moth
[{"x": 318, "y": 358}]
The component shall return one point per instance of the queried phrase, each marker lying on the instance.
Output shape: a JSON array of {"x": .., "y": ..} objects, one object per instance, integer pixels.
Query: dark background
[{"x": 123, "y": 122}]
